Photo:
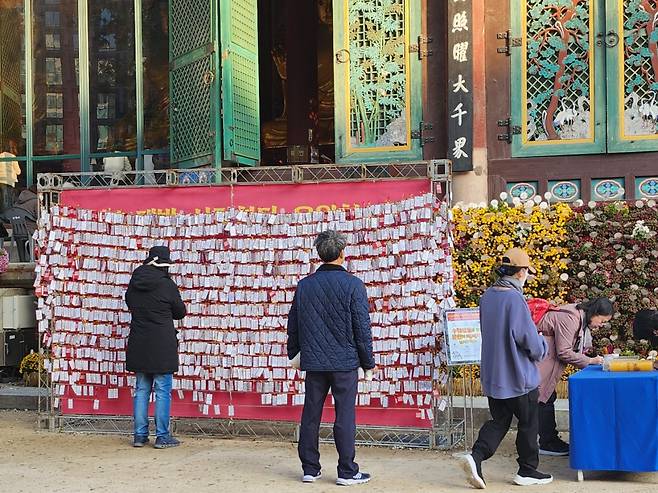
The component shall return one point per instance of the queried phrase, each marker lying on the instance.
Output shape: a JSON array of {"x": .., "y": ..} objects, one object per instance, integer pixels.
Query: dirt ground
[{"x": 38, "y": 461}]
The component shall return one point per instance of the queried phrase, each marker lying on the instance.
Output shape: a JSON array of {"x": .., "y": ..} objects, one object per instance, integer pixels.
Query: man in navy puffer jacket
[{"x": 329, "y": 326}]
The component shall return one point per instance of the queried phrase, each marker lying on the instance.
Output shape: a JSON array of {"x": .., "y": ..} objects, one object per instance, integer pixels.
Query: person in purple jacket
[{"x": 511, "y": 348}]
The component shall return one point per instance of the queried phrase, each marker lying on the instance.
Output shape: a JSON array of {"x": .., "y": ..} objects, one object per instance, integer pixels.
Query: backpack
[{"x": 540, "y": 307}]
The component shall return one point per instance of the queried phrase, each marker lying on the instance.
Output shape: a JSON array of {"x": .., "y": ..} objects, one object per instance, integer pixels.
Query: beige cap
[{"x": 517, "y": 257}]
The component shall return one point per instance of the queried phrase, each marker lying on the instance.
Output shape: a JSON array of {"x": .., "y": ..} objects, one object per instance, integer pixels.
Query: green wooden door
[
  {"x": 558, "y": 81},
  {"x": 11, "y": 84},
  {"x": 377, "y": 80},
  {"x": 631, "y": 41},
  {"x": 240, "y": 89},
  {"x": 193, "y": 83}
]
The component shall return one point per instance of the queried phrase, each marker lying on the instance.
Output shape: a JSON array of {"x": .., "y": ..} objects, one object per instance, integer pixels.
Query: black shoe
[
  {"x": 358, "y": 478},
  {"x": 140, "y": 441},
  {"x": 473, "y": 470},
  {"x": 166, "y": 442},
  {"x": 556, "y": 448},
  {"x": 531, "y": 478}
]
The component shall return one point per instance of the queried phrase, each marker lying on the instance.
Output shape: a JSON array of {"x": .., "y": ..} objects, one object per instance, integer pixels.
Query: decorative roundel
[
  {"x": 565, "y": 191},
  {"x": 519, "y": 189},
  {"x": 609, "y": 190},
  {"x": 649, "y": 188}
]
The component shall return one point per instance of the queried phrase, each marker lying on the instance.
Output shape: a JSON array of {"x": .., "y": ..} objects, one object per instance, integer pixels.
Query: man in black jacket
[
  {"x": 329, "y": 327},
  {"x": 154, "y": 302}
]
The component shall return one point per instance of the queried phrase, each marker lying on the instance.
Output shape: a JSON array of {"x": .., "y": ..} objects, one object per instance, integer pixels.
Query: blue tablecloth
[{"x": 613, "y": 420}]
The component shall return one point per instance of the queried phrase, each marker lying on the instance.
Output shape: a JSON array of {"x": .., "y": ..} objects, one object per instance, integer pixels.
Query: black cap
[{"x": 159, "y": 256}]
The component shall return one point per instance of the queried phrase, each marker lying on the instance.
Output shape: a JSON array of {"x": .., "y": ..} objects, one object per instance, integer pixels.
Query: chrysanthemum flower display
[
  {"x": 580, "y": 252},
  {"x": 614, "y": 253},
  {"x": 482, "y": 235}
]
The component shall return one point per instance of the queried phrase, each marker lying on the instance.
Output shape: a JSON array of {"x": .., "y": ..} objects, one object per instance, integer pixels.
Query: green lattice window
[
  {"x": 240, "y": 90},
  {"x": 583, "y": 79},
  {"x": 380, "y": 106},
  {"x": 213, "y": 45},
  {"x": 194, "y": 107},
  {"x": 11, "y": 84}
]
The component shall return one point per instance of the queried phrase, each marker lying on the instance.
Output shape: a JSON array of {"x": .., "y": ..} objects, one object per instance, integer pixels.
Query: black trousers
[
  {"x": 547, "y": 424},
  {"x": 343, "y": 385},
  {"x": 525, "y": 408}
]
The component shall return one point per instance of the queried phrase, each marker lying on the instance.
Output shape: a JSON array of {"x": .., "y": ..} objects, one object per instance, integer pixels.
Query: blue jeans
[{"x": 162, "y": 384}]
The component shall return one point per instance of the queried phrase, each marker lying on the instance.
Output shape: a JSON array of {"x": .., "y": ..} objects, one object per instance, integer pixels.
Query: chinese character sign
[{"x": 460, "y": 84}]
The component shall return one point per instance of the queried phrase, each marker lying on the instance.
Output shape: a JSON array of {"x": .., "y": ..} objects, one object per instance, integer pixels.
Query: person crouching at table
[{"x": 567, "y": 333}]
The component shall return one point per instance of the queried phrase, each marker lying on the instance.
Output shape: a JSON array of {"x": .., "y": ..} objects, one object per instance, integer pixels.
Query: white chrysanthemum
[
  {"x": 537, "y": 199},
  {"x": 640, "y": 231},
  {"x": 639, "y": 204},
  {"x": 548, "y": 195},
  {"x": 503, "y": 196},
  {"x": 494, "y": 203},
  {"x": 564, "y": 276},
  {"x": 524, "y": 196},
  {"x": 543, "y": 206}
]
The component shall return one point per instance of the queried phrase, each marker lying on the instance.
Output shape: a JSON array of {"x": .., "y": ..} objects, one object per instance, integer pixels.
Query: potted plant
[{"x": 31, "y": 366}]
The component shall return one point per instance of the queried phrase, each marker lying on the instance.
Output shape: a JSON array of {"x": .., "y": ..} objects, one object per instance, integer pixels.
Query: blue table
[{"x": 613, "y": 421}]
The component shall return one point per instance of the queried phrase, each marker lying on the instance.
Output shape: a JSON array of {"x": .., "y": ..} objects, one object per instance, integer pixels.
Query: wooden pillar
[{"x": 302, "y": 85}]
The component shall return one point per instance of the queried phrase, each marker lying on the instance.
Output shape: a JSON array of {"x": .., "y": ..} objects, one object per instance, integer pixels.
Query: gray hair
[{"x": 330, "y": 244}]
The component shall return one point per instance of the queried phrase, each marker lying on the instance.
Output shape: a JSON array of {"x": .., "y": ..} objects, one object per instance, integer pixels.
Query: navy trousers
[{"x": 343, "y": 385}]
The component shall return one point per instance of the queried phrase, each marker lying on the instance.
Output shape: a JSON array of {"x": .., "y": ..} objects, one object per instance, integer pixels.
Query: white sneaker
[
  {"x": 358, "y": 478},
  {"x": 533, "y": 478},
  {"x": 308, "y": 478},
  {"x": 473, "y": 471}
]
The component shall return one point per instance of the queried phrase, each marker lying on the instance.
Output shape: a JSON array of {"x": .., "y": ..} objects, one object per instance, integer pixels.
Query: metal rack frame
[{"x": 446, "y": 431}]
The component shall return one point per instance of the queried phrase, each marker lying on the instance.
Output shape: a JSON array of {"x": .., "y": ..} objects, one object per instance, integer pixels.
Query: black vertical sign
[{"x": 460, "y": 84}]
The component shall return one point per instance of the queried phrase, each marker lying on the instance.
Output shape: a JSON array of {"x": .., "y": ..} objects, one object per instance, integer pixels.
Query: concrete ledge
[
  {"x": 16, "y": 397},
  {"x": 18, "y": 275}
]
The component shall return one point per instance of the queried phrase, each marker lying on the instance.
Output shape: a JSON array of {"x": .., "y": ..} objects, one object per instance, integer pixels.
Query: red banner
[{"x": 274, "y": 198}]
